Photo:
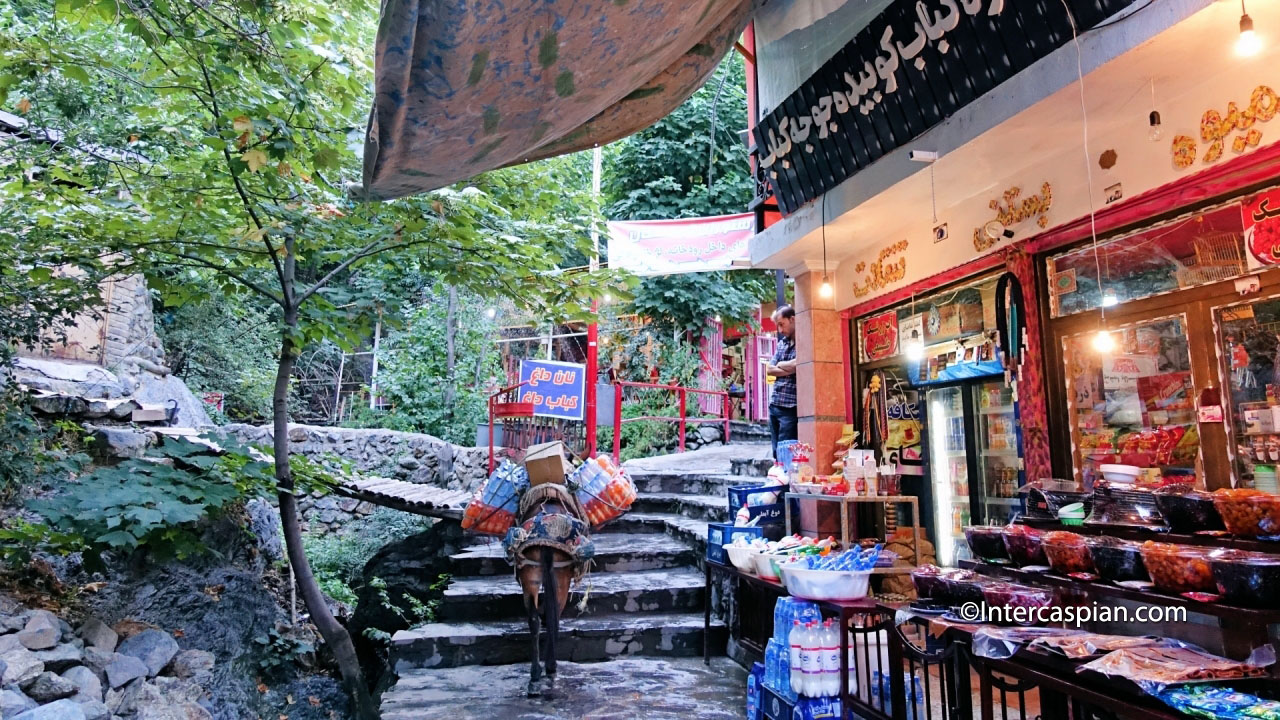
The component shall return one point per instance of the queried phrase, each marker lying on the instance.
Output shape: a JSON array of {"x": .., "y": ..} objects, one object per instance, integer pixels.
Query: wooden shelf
[
  {"x": 996, "y": 410},
  {"x": 1141, "y": 534},
  {"x": 1104, "y": 588}
]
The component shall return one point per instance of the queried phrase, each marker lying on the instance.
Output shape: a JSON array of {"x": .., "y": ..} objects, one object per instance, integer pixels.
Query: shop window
[
  {"x": 1134, "y": 405},
  {"x": 1196, "y": 250},
  {"x": 1250, "y": 350}
]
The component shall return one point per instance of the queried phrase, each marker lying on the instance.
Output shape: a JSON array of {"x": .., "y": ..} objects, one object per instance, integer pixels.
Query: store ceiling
[{"x": 1188, "y": 55}]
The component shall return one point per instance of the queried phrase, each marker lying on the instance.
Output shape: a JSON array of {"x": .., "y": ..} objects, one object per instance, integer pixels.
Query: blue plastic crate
[
  {"x": 770, "y": 514},
  {"x": 773, "y": 706},
  {"x": 721, "y": 534}
]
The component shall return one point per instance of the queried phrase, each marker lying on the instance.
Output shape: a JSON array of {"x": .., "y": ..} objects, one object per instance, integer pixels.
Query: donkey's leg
[
  {"x": 535, "y": 667},
  {"x": 550, "y": 605}
]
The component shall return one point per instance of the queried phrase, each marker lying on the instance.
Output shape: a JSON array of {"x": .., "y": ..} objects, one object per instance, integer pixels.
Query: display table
[{"x": 845, "y": 501}]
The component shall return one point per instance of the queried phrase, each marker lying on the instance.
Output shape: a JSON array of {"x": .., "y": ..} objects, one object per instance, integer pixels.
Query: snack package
[
  {"x": 1219, "y": 703},
  {"x": 1091, "y": 644},
  {"x": 1155, "y": 668},
  {"x": 492, "y": 510},
  {"x": 604, "y": 490}
]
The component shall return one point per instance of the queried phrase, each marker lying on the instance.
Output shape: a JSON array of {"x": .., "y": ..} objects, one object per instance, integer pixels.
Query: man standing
[{"x": 782, "y": 401}]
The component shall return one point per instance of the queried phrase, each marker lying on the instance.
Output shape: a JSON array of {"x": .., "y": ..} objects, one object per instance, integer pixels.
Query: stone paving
[
  {"x": 625, "y": 689},
  {"x": 716, "y": 459}
]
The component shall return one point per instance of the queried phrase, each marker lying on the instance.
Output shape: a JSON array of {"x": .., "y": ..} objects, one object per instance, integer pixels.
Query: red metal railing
[
  {"x": 682, "y": 392},
  {"x": 510, "y": 408}
]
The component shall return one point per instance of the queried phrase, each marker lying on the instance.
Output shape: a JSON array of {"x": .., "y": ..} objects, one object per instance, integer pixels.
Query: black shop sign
[{"x": 908, "y": 70}]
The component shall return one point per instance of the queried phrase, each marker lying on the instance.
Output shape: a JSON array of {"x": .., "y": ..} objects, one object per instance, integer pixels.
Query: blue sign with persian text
[{"x": 556, "y": 389}]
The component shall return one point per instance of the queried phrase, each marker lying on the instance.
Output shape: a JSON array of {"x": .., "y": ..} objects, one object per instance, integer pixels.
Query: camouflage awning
[{"x": 465, "y": 87}]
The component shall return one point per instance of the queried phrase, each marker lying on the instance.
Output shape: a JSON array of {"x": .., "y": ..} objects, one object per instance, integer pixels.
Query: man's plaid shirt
[{"x": 784, "y": 388}]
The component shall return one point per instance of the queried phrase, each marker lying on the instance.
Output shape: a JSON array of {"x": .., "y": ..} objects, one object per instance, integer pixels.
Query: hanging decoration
[
  {"x": 875, "y": 413},
  {"x": 1012, "y": 212},
  {"x": 882, "y": 273},
  {"x": 1216, "y": 128},
  {"x": 1011, "y": 325}
]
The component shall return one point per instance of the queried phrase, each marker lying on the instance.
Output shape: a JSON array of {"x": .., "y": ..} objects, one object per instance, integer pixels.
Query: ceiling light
[
  {"x": 1156, "y": 130},
  {"x": 826, "y": 291},
  {"x": 915, "y": 348},
  {"x": 1103, "y": 342},
  {"x": 1248, "y": 43},
  {"x": 1110, "y": 300}
]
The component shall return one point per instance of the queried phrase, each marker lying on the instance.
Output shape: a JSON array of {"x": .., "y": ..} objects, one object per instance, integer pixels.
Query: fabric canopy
[{"x": 461, "y": 88}]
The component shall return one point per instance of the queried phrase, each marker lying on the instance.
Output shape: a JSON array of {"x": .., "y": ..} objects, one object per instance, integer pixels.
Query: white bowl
[
  {"x": 839, "y": 585},
  {"x": 1120, "y": 473},
  {"x": 743, "y": 558},
  {"x": 764, "y": 565}
]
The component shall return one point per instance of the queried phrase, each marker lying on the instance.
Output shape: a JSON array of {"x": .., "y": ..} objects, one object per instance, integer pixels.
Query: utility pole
[{"x": 593, "y": 330}]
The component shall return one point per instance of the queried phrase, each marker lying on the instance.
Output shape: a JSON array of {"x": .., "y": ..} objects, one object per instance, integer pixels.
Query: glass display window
[
  {"x": 1198, "y": 249},
  {"x": 1249, "y": 350},
  {"x": 1133, "y": 405}
]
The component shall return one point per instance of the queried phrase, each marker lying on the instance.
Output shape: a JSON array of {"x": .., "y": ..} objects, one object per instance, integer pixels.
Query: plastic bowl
[
  {"x": 825, "y": 584},
  {"x": 1186, "y": 510},
  {"x": 1247, "y": 579},
  {"x": 1013, "y": 595},
  {"x": 765, "y": 567},
  {"x": 1178, "y": 568},
  {"x": 927, "y": 580},
  {"x": 1120, "y": 473},
  {"x": 743, "y": 558},
  {"x": 1067, "y": 552},
  {"x": 1023, "y": 545},
  {"x": 1248, "y": 513},
  {"x": 986, "y": 541},
  {"x": 1117, "y": 560},
  {"x": 960, "y": 587}
]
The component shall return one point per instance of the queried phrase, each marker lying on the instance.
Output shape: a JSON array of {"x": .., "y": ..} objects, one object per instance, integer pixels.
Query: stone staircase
[{"x": 644, "y": 596}]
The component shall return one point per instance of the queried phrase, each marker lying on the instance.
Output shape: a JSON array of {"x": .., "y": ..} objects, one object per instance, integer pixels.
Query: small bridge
[{"x": 408, "y": 497}]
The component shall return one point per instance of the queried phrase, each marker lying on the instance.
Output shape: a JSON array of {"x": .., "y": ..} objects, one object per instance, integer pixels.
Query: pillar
[{"x": 820, "y": 370}]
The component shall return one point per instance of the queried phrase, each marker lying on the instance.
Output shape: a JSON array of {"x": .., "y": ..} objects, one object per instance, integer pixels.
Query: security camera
[{"x": 923, "y": 156}]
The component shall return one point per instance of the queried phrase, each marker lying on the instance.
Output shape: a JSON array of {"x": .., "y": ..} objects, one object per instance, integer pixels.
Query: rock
[
  {"x": 88, "y": 685},
  {"x": 47, "y": 687},
  {"x": 11, "y": 623},
  {"x": 196, "y": 665},
  {"x": 13, "y": 702},
  {"x": 98, "y": 660},
  {"x": 112, "y": 442},
  {"x": 95, "y": 710},
  {"x": 264, "y": 523},
  {"x": 406, "y": 567},
  {"x": 161, "y": 699},
  {"x": 98, "y": 635},
  {"x": 155, "y": 648},
  {"x": 41, "y": 631},
  {"x": 65, "y": 405},
  {"x": 61, "y": 657},
  {"x": 72, "y": 378},
  {"x": 20, "y": 663},
  {"x": 124, "y": 668},
  {"x": 60, "y": 710}
]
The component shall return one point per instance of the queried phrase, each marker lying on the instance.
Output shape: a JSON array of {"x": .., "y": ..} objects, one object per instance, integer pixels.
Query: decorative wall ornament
[
  {"x": 882, "y": 274},
  {"x": 1216, "y": 128},
  {"x": 1012, "y": 212}
]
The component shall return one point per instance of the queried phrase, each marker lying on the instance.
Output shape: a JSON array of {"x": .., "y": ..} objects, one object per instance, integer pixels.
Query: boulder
[
  {"x": 114, "y": 442},
  {"x": 99, "y": 635},
  {"x": 95, "y": 710},
  {"x": 88, "y": 685},
  {"x": 123, "y": 669},
  {"x": 47, "y": 687},
  {"x": 264, "y": 523},
  {"x": 60, "y": 657},
  {"x": 155, "y": 648},
  {"x": 60, "y": 710},
  {"x": 195, "y": 665},
  {"x": 98, "y": 660},
  {"x": 161, "y": 699},
  {"x": 20, "y": 664},
  {"x": 70, "y": 378},
  {"x": 13, "y": 702},
  {"x": 41, "y": 631},
  {"x": 63, "y": 405}
]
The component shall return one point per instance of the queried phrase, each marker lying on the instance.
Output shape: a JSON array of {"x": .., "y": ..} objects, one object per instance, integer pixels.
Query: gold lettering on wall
[
  {"x": 882, "y": 274},
  {"x": 1012, "y": 211},
  {"x": 1216, "y": 128}
]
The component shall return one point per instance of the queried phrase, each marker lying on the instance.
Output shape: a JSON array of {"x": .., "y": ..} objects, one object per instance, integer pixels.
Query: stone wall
[{"x": 411, "y": 457}]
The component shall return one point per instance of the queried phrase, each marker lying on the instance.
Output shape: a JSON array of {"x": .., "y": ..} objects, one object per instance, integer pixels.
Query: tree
[
  {"x": 691, "y": 164},
  {"x": 236, "y": 122}
]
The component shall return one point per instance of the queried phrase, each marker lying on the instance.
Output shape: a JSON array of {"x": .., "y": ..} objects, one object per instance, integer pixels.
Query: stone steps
[
  {"x": 593, "y": 638},
  {"x": 482, "y": 598},
  {"x": 688, "y": 483},
  {"x": 615, "y": 552},
  {"x": 710, "y": 508}
]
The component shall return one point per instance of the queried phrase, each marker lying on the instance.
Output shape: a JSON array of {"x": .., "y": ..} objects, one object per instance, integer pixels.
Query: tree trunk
[{"x": 330, "y": 629}]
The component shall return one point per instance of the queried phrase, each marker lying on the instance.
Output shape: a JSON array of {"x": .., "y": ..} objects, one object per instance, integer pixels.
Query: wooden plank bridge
[{"x": 406, "y": 496}]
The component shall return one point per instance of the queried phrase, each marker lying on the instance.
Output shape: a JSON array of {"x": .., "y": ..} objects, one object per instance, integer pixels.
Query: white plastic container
[
  {"x": 826, "y": 584},
  {"x": 764, "y": 566},
  {"x": 1120, "y": 473},
  {"x": 743, "y": 558}
]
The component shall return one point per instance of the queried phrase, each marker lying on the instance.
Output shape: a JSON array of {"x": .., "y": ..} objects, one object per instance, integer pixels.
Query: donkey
[{"x": 550, "y": 549}]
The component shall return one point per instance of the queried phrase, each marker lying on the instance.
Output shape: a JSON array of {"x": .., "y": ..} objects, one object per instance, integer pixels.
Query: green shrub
[{"x": 338, "y": 559}]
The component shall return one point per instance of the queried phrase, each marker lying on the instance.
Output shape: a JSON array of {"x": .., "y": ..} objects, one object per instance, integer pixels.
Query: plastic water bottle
[
  {"x": 813, "y": 668},
  {"x": 770, "y": 662},
  {"x": 876, "y": 700},
  {"x": 915, "y": 709},
  {"x": 753, "y": 694},
  {"x": 830, "y": 659},
  {"x": 797, "y": 667}
]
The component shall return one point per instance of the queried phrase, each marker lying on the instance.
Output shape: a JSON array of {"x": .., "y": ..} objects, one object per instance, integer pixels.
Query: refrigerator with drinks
[{"x": 974, "y": 461}]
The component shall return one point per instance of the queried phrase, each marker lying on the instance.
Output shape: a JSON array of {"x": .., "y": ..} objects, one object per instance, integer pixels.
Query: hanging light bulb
[
  {"x": 826, "y": 291},
  {"x": 1104, "y": 342},
  {"x": 1109, "y": 299},
  {"x": 608, "y": 298},
  {"x": 1156, "y": 130},
  {"x": 915, "y": 348},
  {"x": 1248, "y": 43},
  {"x": 492, "y": 313}
]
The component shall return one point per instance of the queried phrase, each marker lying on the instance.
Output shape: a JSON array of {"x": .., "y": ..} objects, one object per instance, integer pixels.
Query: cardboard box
[{"x": 546, "y": 463}]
